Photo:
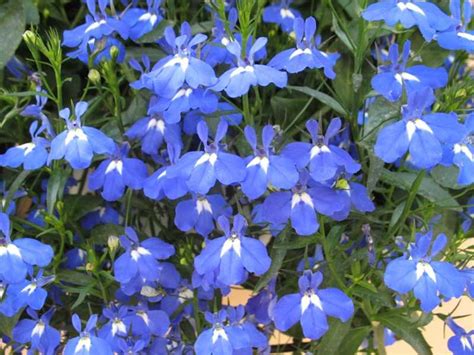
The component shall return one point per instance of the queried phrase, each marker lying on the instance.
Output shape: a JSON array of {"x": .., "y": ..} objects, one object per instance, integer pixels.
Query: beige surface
[{"x": 435, "y": 333}]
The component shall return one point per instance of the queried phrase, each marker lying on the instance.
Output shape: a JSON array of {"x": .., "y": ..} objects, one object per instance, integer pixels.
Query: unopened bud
[
  {"x": 113, "y": 242},
  {"x": 94, "y": 76}
]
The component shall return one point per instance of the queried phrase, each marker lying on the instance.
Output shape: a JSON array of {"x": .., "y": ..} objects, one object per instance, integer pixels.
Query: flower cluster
[{"x": 238, "y": 196}]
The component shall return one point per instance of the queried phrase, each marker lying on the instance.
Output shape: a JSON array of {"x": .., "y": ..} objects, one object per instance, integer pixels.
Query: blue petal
[
  {"x": 426, "y": 291},
  {"x": 449, "y": 280},
  {"x": 298, "y": 152},
  {"x": 100, "y": 142},
  {"x": 314, "y": 322},
  {"x": 125, "y": 269},
  {"x": 158, "y": 248},
  {"x": 255, "y": 182},
  {"x": 231, "y": 270},
  {"x": 360, "y": 199},
  {"x": 392, "y": 142},
  {"x": 267, "y": 75},
  {"x": 229, "y": 168},
  {"x": 282, "y": 172},
  {"x": 400, "y": 275},
  {"x": 303, "y": 218},
  {"x": 209, "y": 258},
  {"x": 79, "y": 153},
  {"x": 202, "y": 178},
  {"x": 254, "y": 256},
  {"x": 336, "y": 304},
  {"x": 277, "y": 207},
  {"x": 287, "y": 311},
  {"x": 186, "y": 215},
  {"x": 34, "y": 252},
  {"x": 425, "y": 149},
  {"x": 203, "y": 344},
  {"x": 388, "y": 86}
]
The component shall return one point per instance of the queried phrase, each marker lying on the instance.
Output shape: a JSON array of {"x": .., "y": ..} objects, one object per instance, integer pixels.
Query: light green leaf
[
  {"x": 318, "y": 95},
  {"x": 335, "y": 336},
  {"x": 12, "y": 25}
]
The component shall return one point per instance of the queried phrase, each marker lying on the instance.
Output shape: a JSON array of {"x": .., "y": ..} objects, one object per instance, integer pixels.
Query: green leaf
[
  {"x": 318, "y": 95},
  {"x": 405, "y": 329},
  {"x": 446, "y": 176},
  {"x": 77, "y": 206},
  {"x": 156, "y": 33},
  {"x": 136, "y": 110},
  {"x": 342, "y": 35},
  {"x": 56, "y": 183},
  {"x": 8, "y": 323},
  {"x": 297, "y": 243},
  {"x": 277, "y": 255},
  {"x": 379, "y": 113},
  {"x": 14, "y": 187},
  {"x": 429, "y": 189},
  {"x": 335, "y": 336},
  {"x": 12, "y": 25},
  {"x": 79, "y": 278},
  {"x": 352, "y": 340},
  {"x": 375, "y": 172},
  {"x": 31, "y": 12}
]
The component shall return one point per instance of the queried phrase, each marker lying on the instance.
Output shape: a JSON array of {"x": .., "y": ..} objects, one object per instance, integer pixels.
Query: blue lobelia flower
[
  {"x": 420, "y": 134},
  {"x": 262, "y": 303},
  {"x": 144, "y": 321},
  {"x": 77, "y": 144},
  {"x": 427, "y": 16},
  {"x": 37, "y": 331},
  {"x": 36, "y": 110},
  {"x": 201, "y": 169},
  {"x": 16, "y": 256},
  {"x": 115, "y": 327},
  {"x": 181, "y": 67},
  {"x": 458, "y": 37},
  {"x": 462, "y": 153},
  {"x": 102, "y": 215},
  {"x": 140, "y": 258},
  {"x": 325, "y": 160},
  {"x": 87, "y": 343},
  {"x": 98, "y": 24},
  {"x": 394, "y": 77},
  {"x": 244, "y": 333},
  {"x": 114, "y": 174},
  {"x": 462, "y": 342},
  {"x": 183, "y": 101},
  {"x": 200, "y": 212},
  {"x": 30, "y": 292},
  {"x": 159, "y": 184},
  {"x": 141, "y": 21},
  {"x": 281, "y": 14},
  {"x": 418, "y": 271},
  {"x": 265, "y": 167},
  {"x": 311, "y": 307},
  {"x": 233, "y": 255},
  {"x": 215, "y": 340},
  {"x": 31, "y": 155},
  {"x": 225, "y": 111},
  {"x": 336, "y": 198},
  {"x": 237, "y": 80},
  {"x": 306, "y": 54},
  {"x": 215, "y": 52},
  {"x": 153, "y": 131},
  {"x": 297, "y": 205}
]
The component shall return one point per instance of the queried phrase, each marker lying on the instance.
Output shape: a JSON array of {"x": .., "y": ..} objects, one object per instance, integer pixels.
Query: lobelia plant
[{"x": 317, "y": 154}]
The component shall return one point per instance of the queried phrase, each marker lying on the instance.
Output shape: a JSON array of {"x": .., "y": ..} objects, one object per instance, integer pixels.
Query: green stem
[
  {"x": 379, "y": 338},
  {"x": 128, "y": 198},
  {"x": 247, "y": 115}
]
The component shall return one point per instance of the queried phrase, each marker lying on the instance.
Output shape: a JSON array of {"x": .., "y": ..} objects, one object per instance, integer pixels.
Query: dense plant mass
[{"x": 157, "y": 155}]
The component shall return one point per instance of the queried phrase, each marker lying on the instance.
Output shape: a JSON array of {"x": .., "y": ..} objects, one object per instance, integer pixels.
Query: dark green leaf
[
  {"x": 77, "y": 206},
  {"x": 31, "y": 12},
  {"x": 8, "y": 323},
  {"x": 352, "y": 340},
  {"x": 446, "y": 176},
  {"x": 335, "y": 336},
  {"x": 375, "y": 171},
  {"x": 405, "y": 329},
  {"x": 56, "y": 183},
  {"x": 318, "y": 95},
  {"x": 12, "y": 25},
  {"x": 429, "y": 189},
  {"x": 14, "y": 187}
]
